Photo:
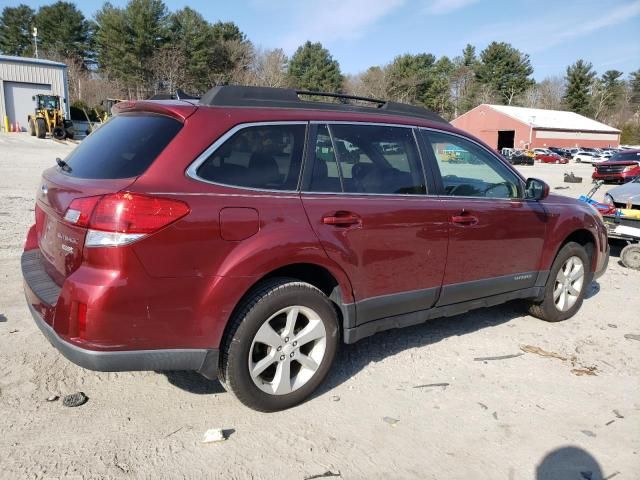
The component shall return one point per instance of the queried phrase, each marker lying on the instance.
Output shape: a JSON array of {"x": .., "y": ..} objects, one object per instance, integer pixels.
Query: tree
[
  {"x": 313, "y": 68},
  {"x": 63, "y": 30},
  {"x": 410, "y": 77},
  {"x": 268, "y": 69},
  {"x": 192, "y": 35},
  {"x": 126, "y": 40},
  {"x": 579, "y": 82},
  {"x": 15, "y": 30},
  {"x": 464, "y": 86},
  {"x": 168, "y": 67},
  {"x": 606, "y": 92},
  {"x": 546, "y": 94},
  {"x": 634, "y": 86},
  {"x": 505, "y": 70}
]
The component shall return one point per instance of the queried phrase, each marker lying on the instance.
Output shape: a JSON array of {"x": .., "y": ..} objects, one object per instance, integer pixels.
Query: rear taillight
[{"x": 121, "y": 218}]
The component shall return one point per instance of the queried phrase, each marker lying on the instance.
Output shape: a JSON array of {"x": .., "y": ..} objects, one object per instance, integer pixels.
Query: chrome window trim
[
  {"x": 191, "y": 171},
  {"x": 352, "y": 122}
]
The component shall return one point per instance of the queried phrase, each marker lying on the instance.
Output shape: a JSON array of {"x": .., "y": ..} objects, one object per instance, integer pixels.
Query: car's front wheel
[
  {"x": 569, "y": 278},
  {"x": 280, "y": 345}
]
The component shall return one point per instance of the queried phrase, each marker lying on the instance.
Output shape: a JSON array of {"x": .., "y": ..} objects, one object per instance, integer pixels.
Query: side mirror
[{"x": 536, "y": 189}]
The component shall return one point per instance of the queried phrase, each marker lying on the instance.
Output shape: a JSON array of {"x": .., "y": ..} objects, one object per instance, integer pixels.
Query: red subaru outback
[{"x": 247, "y": 234}]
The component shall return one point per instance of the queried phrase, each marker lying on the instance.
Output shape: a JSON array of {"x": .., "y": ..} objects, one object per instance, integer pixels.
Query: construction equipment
[
  {"x": 107, "y": 105},
  {"x": 49, "y": 118}
]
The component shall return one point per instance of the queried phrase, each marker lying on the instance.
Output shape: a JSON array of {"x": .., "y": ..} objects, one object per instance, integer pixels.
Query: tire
[
  {"x": 70, "y": 134},
  {"x": 41, "y": 128},
  {"x": 32, "y": 127},
  {"x": 552, "y": 309},
  {"x": 59, "y": 133},
  {"x": 630, "y": 256},
  {"x": 265, "y": 314}
]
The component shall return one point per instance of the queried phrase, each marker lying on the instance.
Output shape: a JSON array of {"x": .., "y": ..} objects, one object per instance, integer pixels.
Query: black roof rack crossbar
[{"x": 268, "y": 97}]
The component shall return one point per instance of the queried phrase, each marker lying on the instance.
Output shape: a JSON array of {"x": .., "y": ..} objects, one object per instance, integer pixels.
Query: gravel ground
[{"x": 412, "y": 403}]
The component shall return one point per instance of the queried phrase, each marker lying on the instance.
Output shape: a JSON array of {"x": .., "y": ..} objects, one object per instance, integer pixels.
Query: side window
[
  {"x": 373, "y": 159},
  {"x": 265, "y": 156},
  {"x": 325, "y": 176},
  {"x": 467, "y": 170}
]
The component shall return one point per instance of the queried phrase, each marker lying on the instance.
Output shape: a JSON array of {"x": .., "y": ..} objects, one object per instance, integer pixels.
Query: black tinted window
[
  {"x": 123, "y": 147},
  {"x": 266, "y": 156},
  {"x": 372, "y": 159}
]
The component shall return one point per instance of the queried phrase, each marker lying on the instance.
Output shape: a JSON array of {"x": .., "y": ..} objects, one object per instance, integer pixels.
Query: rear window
[
  {"x": 123, "y": 147},
  {"x": 626, "y": 156}
]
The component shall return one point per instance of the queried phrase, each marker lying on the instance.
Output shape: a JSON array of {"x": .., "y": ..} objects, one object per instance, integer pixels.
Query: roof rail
[
  {"x": 241, "y": 96},
  {"x": 179, "y": 95}
]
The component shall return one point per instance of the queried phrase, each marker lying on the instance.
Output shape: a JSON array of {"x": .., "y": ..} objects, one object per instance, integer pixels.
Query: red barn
[{"x": 503, "y": 126}]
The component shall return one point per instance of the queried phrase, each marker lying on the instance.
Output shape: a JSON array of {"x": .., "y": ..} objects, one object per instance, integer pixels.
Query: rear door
[
  {"x": 366, "y": 197},
  {"x": 496, "y": 237}
]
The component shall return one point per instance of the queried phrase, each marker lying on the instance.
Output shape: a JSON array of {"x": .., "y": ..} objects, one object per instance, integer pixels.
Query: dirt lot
[{"x": 379, "y": 415}]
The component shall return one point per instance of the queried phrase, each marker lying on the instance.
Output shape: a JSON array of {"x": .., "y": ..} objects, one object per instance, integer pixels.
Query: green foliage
[
  {"x": 15, "y": 30},
  {"x": 313, "y": 68},
  {"x": 63, "y": 30},
  {"x": 505, "y": 70},
  {"x": 630, "y": 134},
  {"x": 194, "y": 38},
  {"x": 634, "y": 83},
  {"x": 126, "y": 40},
  {"x": 579, "y": 78}
]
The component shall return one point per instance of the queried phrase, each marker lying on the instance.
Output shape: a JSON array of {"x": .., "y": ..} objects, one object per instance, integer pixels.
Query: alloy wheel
[
  {"x": 287, "y": 350},
  {"x": 568, "y": 284}
]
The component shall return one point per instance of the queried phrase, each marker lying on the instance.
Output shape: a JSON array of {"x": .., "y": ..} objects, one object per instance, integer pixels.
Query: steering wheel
[{"x": 507, "y": 185}]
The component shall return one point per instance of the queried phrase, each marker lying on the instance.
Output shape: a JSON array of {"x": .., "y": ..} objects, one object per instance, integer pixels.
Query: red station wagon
[{"x": 247, "y": 234}]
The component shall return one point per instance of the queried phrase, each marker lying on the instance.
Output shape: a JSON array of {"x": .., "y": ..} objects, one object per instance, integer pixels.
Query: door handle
[
  {"x": 464, "y": 219},
  {"x": 340, "y": 219}
]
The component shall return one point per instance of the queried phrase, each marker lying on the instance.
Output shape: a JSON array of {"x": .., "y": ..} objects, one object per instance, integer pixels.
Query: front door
[
  {"x": 366, "y": 198},
  {"x": 496, "y": 237}
]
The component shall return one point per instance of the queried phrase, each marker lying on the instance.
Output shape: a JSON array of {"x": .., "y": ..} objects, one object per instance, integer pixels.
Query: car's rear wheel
[
  {"x": 569, "y": 277},
  {"x": 280, "y": 345}
]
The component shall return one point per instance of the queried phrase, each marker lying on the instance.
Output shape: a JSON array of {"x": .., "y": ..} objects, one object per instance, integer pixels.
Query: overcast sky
[{"x": 361, "y": 33}]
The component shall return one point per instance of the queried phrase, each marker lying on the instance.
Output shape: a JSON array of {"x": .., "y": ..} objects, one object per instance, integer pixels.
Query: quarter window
[
  {"x": 265, "y": 156},
  {"x": 467, "y": 170},
  {"x": 366, "y": 159}
]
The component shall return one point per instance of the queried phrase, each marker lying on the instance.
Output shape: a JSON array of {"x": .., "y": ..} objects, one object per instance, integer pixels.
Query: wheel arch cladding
[
  {"x": 314, "y": 274},
  {"x": 585, "y": 238}
]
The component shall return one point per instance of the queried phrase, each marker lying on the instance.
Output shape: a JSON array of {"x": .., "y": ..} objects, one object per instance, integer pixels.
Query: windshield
[
  {"x": 627, "y": 156},
  {"x": 49, "y": 102}
]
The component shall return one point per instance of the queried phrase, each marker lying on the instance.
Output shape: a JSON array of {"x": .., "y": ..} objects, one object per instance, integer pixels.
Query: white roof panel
[{"x": 553, "y": 119}]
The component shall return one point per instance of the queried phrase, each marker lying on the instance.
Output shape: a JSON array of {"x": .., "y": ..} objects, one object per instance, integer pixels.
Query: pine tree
[
  {"x": 505, "y": 71},
  {"x": 313, "y": 68},
  {"x": 15, "y": 30},
  {"x": 579, "y": 79},
  {"x": 63, "y": 30}
]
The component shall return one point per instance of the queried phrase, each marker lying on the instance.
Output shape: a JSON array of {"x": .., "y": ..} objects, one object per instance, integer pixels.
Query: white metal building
[{"x": 21, "y": 79}]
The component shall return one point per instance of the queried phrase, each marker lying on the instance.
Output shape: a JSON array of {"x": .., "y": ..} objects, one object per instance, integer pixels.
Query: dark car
[
  {"x": 518, "y": 157},
  {"x": 623, "y": 167},
  {"x": 231, "y": 237},
  {"x": 562, "y": 152}
]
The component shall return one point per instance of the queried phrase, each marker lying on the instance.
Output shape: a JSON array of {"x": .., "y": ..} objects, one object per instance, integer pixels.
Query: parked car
[
  {"x": 227, "y": 236},
  {"x": 547, "y": 156},
  {"x": 624, "y": 196},
  {"x": 519, "y": 157},
  {"x": 562, "y": 152},
  {"x": 587, "y": 157},
  {"x": 622, "y": 167}
]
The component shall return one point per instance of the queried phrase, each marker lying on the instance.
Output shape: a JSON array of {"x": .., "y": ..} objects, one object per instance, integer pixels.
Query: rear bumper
[
  {"x": 614, "y": 177},
  {"x": 44, "y": 298},
  {"x": 201, "y": 360}
]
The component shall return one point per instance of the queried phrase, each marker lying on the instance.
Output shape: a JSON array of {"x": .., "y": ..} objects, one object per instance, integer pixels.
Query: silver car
[{"x": 624, "y": 194}]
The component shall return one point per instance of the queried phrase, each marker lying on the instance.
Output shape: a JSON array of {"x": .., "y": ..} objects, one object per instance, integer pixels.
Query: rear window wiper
[{"x": 63, "y": 165}]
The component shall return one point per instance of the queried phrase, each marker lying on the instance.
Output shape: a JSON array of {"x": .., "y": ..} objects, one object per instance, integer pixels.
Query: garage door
[{"x": 18, "y": 101}]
